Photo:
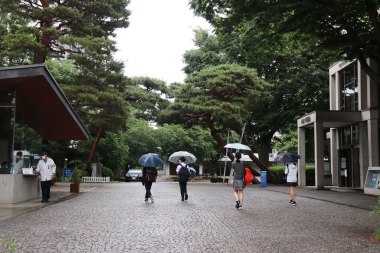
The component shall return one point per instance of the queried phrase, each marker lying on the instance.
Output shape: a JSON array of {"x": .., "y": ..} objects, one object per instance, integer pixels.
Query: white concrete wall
[{"x": 18, "y": 188}]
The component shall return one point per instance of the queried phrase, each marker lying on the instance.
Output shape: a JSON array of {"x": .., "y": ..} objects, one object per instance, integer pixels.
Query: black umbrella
[{"x": 286, "y": 157}]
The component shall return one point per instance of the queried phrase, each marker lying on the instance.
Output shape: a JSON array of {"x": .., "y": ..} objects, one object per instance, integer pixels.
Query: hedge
[{"x": 276, "y": 175}]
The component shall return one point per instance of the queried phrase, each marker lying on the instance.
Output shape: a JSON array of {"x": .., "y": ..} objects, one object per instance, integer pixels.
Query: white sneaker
[{"x": 151, "y": 199}]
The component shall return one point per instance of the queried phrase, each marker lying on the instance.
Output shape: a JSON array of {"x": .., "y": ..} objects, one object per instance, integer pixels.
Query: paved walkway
[{"x": 114, "y": 218}]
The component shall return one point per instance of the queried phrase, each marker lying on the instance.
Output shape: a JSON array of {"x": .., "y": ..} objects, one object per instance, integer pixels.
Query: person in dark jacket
[
  {"x": 238, "y": 184},
  {"x": 149, "y": 176}
]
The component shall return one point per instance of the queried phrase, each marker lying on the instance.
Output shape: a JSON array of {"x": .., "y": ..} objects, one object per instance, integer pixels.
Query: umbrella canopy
[
  {"x": 151, "y": 160},
  {"x": 286, "y": 157},
  {"x": 237, "y": 146},
  {"x": 190, "y": 158}
]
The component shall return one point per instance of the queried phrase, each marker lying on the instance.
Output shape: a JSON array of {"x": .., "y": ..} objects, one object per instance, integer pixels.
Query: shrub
[
  {"x": 107, "y": 172},
  {"x": 216, "y": 179},
  {"x": 276, "y": 175}
]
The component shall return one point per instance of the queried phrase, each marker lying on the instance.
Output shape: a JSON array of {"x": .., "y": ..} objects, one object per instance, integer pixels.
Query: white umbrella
[
  {"x": 237, "y": 146},
  {"x": 174, "y": 158}
]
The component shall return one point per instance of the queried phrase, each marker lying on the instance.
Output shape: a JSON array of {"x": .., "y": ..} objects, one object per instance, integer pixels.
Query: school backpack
[
  {"x": 151, "y": 175},
  {"x": 184, "y": 174}
]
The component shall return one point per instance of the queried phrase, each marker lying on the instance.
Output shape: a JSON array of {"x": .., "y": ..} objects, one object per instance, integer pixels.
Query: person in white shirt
[
  {"x": 291, "y": 171},
  {"x": 46, "y": 167},
  {"x": 19, "y": 163},
  {"x": 184, "y": 174},
  {"x": 192, "y": 172}
]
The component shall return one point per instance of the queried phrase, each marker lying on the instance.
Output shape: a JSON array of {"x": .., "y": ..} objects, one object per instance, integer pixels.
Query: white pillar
[
  {"x": 334, "y": 157},
  {"x": 364, "y": 154},
  {"x": 302, "y": 160},
  {"x": 318, "y": 154},
  {"x": 200, "y": 169},
  {"x": 167, "y": 169},
  {"x": 373, "y": 143}
]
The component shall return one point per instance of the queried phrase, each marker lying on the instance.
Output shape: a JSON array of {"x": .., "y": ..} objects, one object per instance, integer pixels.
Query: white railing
[{"x": 96, "y": 179}]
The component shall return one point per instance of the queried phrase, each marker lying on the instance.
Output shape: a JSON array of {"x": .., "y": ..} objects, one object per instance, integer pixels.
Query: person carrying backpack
[
  {"x": 184, "y": 174},
  {"x": 149, "y": 176}
]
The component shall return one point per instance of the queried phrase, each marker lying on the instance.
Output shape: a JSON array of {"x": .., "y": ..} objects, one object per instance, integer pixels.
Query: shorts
[
  {"x": 238, "y": 184},
  {"x": 294, "y": 184}
]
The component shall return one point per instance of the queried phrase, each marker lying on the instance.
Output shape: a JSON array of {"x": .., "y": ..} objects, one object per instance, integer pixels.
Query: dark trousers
[
  {"x": 148, "y": 186},
  {"x": 183, "y": 187},
  {"x": 45, "y": 188}
]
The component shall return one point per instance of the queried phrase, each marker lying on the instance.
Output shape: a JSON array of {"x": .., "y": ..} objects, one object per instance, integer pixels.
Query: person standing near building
[
  {"x": 46, "y": 167},
  {"x": 192, "y": 172},
  {"x": 184, "y": 174},
  {"x": 291, "y": 171},
  {"x": 149, "y": 176},
  {"x": 238, "y": 184},
  {"x": 19, "y": 163}
]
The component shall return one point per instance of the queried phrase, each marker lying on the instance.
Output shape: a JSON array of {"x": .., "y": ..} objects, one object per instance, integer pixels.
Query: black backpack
[
  {"x": 151, "y": 175},
  {"x": 184, "y": 174}
]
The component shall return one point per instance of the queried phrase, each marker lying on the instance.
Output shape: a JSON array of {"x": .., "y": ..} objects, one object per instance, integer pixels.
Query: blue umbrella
[{"x": 151, "y": 160}]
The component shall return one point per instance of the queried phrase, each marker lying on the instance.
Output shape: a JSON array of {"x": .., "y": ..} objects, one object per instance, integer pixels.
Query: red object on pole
[{"x": 248, "y": 176}]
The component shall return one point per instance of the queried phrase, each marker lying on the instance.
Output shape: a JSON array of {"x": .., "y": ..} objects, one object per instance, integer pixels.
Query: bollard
[{"x": 263, "y": 182}]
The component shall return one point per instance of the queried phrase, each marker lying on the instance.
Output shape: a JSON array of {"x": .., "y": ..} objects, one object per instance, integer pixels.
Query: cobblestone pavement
[{"x": 114, "y": 218}]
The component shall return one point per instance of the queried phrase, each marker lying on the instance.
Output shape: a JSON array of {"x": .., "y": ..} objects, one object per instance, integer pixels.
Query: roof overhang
[
  {"x": 41, "y": 104},
  {"x": 336, "y": 119}
]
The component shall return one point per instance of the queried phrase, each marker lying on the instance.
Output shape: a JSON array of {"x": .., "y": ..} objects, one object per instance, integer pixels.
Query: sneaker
[
  {"x": 146, "y": 199},
  {"x": 186, "y": 196},
  {"x": 240, "y": 207},
  {"x": 293, "y": 203},
  {"x": 237, "y": 204},
  {"x": 182, "y": 199},
  {"x": 151, "y": 199}
]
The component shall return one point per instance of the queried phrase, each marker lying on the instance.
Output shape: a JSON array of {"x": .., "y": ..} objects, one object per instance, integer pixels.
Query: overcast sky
[{"x": 159, "y": 33}]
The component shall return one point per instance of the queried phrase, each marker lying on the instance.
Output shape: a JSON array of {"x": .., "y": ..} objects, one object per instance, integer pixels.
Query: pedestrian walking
[
  {"x": 192, "y": 172},
  {"x": 149, "y": 176},
  {"x": 184, "y": 173},
  {"x": 238, "y": 184},
  {"x": 46, "y": 167},
  {"x": 291, "y": 171}
]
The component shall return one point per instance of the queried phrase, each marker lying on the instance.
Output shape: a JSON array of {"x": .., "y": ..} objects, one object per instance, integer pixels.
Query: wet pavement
[{"x": 114, "y": 218}]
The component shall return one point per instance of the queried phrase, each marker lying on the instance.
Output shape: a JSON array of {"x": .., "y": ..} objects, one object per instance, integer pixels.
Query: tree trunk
[
  {"x": 95, "y": 144},
  {"x": 221, "y": 147}
]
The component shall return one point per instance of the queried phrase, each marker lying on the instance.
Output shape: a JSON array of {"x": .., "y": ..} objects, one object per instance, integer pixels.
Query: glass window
[
  {"x": 349, "y": 88},
  {"x": 349, "y": 136}
]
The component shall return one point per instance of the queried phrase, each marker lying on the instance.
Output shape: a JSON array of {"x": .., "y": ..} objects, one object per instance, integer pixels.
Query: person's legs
[
  {"x": 236, "y": 195},
  {"x": 48, "y": 186},
  {"x": 241, "y": 197},
  {"x": 43, "y": 190},
  {"x": 185, "y": 190},
  {"x": 148, "y": 186},
  {"x": 182, "y": 188},
  {"x": 291, "y": 192},
  {"x": 292, "y": 195}
]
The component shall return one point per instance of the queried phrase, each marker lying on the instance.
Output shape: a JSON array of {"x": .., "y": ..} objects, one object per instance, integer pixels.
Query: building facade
[{"x": 351, "y": 126}]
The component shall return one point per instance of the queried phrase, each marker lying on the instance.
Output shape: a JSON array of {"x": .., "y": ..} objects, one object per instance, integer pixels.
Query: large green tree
[
  {"x": 166, "y": 139},
  {"x": 34, "y": 31},
  {"x": 148, "y": 96},
  {"x": 350, "y": 28},
  {"x": 298, "y": 75},
  {"x": 220, "y": 98},
  {"x": 60, "y": 27}
]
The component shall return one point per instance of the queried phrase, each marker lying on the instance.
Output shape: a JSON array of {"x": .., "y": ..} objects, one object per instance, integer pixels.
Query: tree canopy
[{"x": 350, "y": 28}]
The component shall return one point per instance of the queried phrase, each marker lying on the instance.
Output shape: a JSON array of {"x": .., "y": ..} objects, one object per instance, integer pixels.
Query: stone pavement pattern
[{"x": 114, "y": 218}]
